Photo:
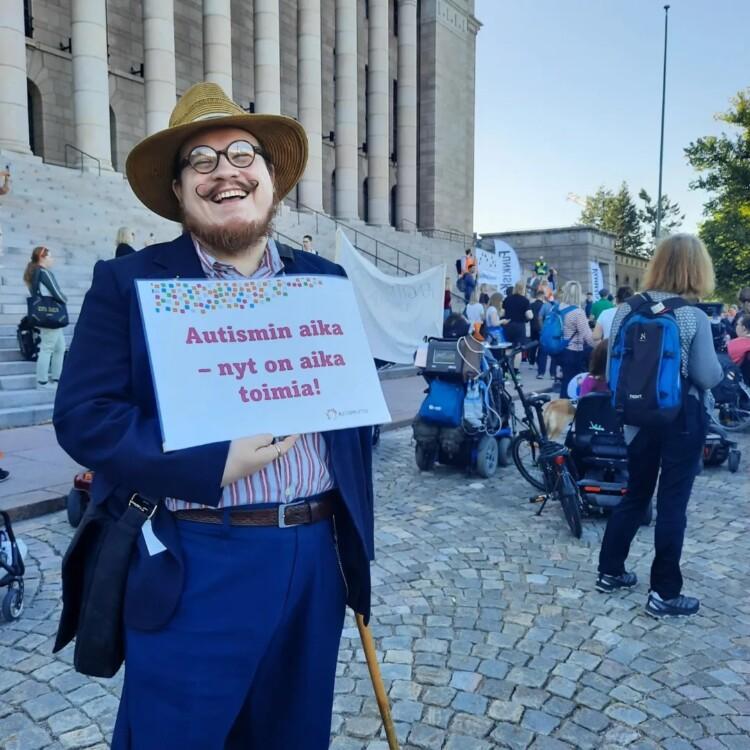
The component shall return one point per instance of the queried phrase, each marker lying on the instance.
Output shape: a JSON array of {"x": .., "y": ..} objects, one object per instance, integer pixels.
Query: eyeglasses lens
[{"x": 204, "y": 159}]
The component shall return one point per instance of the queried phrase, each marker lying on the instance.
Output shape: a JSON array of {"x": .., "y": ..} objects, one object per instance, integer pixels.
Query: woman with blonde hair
[
  {"x": 125, "y": 241},
  {"x": 38, "y": 274},
  {"x": 680, "y": 268},
  {"x": 576, "y": 333}
]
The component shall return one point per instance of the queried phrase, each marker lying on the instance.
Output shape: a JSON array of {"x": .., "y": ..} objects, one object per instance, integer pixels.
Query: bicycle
[{"x": 543, "y": 463}]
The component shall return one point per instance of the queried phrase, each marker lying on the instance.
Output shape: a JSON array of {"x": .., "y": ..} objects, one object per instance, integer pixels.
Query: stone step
[
  {"x": 16, "y": 367},
  {"x": 18, "y": 308},
  {"x": 19, "y": 382},
  {"x": 23, "y": 416},
  {"x": 13, "y": 319},
  {"x": 29, "y": 397},
  {"x": 10, "y": 354}
]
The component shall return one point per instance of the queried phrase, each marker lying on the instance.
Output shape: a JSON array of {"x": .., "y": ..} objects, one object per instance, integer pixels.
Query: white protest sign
[
  {"x": 238, "y": 357},
  {"x": 597, "y": 278},
  {"x": 499, "y": 269},
  {"x": 397, "y": 311}
]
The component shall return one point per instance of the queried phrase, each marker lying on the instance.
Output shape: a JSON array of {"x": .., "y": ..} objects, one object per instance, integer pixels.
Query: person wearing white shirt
[{"x": 604, "y": 321}]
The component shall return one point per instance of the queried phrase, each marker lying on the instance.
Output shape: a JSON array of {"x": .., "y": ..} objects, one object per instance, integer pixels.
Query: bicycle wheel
[
  {"x": 734, "y": 418},
  {"x": 525, "y": 452},
  {"x": 570, "y": 501}
]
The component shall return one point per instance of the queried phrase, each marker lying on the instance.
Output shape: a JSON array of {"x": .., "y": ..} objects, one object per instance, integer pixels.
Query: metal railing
[
  {"x": 296, "y": 243},
  {"x": 377, "y": 249},
  {"x": 407, "y": 225},
  {"x": 448, "y": 234},
  {"x": 81, "y": 155}
]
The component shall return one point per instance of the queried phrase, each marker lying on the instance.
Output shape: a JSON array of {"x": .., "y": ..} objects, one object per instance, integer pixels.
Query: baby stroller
[
  {"x": 12, "y": 568},
  {"x": 600, "y": 455},
  {"x": 464, "y": 419}
]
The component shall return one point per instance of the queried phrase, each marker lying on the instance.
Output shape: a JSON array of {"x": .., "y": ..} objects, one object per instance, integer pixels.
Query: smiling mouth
[{"x": 228, "y": 196}]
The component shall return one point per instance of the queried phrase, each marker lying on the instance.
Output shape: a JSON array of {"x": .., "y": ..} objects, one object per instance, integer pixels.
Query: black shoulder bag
[
  {"x": 94, "y": 574},
  {"x": 45, "y": 311}
]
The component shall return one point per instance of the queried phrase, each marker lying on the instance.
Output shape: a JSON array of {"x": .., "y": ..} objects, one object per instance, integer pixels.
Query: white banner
[
  {"x": 499, "y": 269},
  {"x": 238, "y": 357},
  {"x": 396, "y": 311},
  {"x": 597, "y": 279}
]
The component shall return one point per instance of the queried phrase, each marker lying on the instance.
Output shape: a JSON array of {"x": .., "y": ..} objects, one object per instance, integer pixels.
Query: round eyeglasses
[{"x": 205, "y": 159}]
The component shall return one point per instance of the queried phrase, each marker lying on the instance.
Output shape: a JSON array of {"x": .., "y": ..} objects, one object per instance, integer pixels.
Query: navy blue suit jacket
[{"x": 106, "y": 419}]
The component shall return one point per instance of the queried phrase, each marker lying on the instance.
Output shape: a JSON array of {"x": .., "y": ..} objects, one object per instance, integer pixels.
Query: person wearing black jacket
[
  {"x": 39, "y": 278},
  {"x": 125, "y": 240}
]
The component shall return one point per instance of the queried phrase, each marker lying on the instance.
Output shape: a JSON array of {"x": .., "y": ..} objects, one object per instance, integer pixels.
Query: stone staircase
[{"x": 77, "y": 216}]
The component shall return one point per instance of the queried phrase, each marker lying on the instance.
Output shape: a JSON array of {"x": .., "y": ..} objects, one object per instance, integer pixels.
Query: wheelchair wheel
[
  {"x": 734, "y": 460},
  {"x": 12, "y": 605},
  {"x": 425, "y": 457},
  {"x": 571, "y": 504},
  {"x": 525, "y": 452},
  {"x": 487, "y": 456},
  {"x": 504, "y": 456}
]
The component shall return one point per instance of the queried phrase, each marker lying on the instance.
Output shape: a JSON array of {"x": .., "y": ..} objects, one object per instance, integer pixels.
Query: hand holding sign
[{"x": 251, "y": 454}]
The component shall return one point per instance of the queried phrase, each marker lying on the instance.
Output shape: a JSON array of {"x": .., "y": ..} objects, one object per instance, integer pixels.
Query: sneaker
[
  {"x": 4, "y": 475},
  {"x": 539, "y": 377},
  {"x": 607, "y": 583},
  {"x": 680, "y": 606},
  {"x": 48, "y": 386}
]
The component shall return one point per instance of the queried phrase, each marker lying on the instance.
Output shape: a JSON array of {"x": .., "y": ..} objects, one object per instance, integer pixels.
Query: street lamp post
[{"x": 661, "y": 143}]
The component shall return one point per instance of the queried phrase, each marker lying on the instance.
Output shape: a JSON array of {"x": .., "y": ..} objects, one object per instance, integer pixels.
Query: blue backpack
[
  {"x": 444, "y": 404},
  {"x": 644, "y": 371},
  {"x": 551, "y": 337}
]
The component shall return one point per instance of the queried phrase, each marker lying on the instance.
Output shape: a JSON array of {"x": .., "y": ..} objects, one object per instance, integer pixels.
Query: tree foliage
[
  {"x": 615, "y": 213},
  {"x": 671, "y": 218},
  {"x": 723, "y": 166}
]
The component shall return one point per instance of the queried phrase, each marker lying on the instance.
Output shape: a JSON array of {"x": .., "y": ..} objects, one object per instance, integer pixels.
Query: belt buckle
[
  {"x": 144, "y": 505},
  {"x": 281, "y": 515}
]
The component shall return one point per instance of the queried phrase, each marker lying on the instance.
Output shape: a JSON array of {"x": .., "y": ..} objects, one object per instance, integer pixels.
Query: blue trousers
[
  {"x": 248, "y": 661},
  {"x": 671, "y": 454}
]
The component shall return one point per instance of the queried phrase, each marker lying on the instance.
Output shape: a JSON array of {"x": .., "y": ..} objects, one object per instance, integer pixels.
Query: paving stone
[{"x": 512, "y": 736}]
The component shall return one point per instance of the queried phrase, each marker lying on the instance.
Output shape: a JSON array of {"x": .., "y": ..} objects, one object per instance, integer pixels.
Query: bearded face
[{"x": 232, "y": 207}]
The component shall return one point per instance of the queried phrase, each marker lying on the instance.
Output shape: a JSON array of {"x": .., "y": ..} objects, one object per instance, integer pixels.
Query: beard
[{"x": 233, "y": 238}]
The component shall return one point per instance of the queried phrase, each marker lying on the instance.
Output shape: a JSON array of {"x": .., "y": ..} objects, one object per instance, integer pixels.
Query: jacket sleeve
[
  {"x": 49, "y": 282},
  {"x": 704, "y": 369},
  {"x": 99, "y": 424}
]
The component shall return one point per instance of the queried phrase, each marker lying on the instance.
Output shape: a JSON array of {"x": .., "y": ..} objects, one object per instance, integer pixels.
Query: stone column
[
  {"x": 377, "y": 114},
  {"x": 90, "y": 80},
  {"x": 217, "y": 43},
  {"x": 347, "y": 178},
  {"x": 309, "y": 108},
  {"x": 14, "y": 116},
  {"x": 406, "y": 116},
  {"x": 267, "y": 57},
  {"x": 158, "y": 62}
]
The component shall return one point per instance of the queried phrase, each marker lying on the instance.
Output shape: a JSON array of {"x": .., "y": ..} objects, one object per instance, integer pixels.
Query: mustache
[{"x": 246, "y": 185}]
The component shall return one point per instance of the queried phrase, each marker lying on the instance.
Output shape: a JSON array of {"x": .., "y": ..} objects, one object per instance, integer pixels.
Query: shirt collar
[{"x": 270, "y": 264}]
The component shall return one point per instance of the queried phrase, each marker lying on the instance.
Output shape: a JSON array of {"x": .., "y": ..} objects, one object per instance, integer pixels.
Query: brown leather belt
[{"x": 291, "y": 514}]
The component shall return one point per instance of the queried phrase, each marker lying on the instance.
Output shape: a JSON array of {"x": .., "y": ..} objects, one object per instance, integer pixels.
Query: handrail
[
  {"x": 450, "y": 235},
  {"x": 357, "y": 234},
  {"x": 82, "y": 153},
  {"x": 407, "y": 222},
  {"x": 297, "y": 243}
]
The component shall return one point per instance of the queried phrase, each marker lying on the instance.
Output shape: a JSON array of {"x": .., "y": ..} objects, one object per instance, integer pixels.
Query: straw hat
[{"x": 150, "y": 165}]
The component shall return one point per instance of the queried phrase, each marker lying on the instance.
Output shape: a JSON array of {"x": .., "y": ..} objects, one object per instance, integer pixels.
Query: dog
[{"x": 558, "y": 415}]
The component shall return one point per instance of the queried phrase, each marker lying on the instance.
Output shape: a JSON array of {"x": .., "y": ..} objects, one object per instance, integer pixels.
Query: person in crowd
[
  {"x": 455, "y": 326},
  {"x": 602, "y": 304},
  {"x": 535, "y": 327},
  {"x": 589, "y": 304},
  {"x": 475, "y": 310},
  {"x": 4, "y": 190},
  {"x": 743, "y": 305},
  {"x": 307, "y": 245},
  {"x": 738, "y": 348},
  {"x": 680, "y": 266},
  {"x": 596, "y": 380},
  {"x": 576, "y": 331},
  {"x": 233, "y": 627},
  {"x": 447, "y": 299},
  {"x": 516, "y": 313},
  {"x": 125, "y": 242},
  {"x": 469, "y": 274},
  {"x": 541, "y": 308},
  {"x": 39, "y": 279},
  {"x": 604, "y": 322}
]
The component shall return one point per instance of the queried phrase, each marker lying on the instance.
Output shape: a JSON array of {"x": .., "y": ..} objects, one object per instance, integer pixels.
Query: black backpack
[{"x": 28, "y": 339}]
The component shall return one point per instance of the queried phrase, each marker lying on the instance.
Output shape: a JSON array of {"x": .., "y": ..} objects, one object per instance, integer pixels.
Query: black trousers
[
  {"x": 572, "y": 363},
  {"x": 675, "y": 451}
]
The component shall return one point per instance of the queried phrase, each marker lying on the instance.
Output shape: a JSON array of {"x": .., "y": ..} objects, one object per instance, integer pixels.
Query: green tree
[
  {"x": 671, "y": 218},
  {"x": 616, "y": 213},
  {"x": 723, "y": 166}
]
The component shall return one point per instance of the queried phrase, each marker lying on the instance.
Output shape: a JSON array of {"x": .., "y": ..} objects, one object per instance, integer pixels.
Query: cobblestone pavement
[{"x": 489, "y": 631}]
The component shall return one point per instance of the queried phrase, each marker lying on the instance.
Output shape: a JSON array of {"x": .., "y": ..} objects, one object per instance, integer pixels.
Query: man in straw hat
[{"x": 234, "y": 605}]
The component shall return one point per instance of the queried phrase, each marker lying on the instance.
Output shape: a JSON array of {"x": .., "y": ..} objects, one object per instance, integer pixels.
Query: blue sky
[{"x": 568, "y": 97}]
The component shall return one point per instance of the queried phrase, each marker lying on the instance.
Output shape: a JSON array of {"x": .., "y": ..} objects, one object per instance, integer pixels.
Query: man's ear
[{"x": 177, "y": 190}]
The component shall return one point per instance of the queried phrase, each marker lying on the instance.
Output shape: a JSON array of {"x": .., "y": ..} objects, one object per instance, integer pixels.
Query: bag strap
[{"x": 36, "y": 281}]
